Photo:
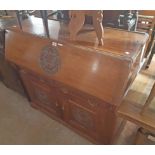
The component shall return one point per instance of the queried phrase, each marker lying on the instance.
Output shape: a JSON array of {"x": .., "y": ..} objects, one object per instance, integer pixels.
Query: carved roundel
[{"x": 49, "y": 59}]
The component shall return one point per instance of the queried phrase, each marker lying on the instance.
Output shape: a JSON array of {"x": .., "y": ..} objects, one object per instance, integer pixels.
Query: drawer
[
  {"x": 78, "y": 97},
  {"x": 85, "y": 101}
]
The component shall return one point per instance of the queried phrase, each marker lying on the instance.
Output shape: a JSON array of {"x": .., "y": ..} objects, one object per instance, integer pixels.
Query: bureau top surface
[
  {"x": 100, "y": 71},
  {"x": 117, "y": 42}
]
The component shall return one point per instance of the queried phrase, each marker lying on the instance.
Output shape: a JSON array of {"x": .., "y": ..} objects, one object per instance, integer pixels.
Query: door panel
[
  {"x": 42, "y": 94},
  {"x": 80, "y": 117}
]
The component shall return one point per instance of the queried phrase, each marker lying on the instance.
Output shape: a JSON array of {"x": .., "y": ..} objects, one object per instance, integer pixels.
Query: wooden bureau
[{"x": 78, "y": 83}]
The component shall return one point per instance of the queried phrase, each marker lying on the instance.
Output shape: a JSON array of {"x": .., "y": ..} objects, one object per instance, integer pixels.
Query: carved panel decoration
[
  {"x": 42, "y": 96},
  {"x": 83, "y": 117},
  {"x": 49, "y": 59}
]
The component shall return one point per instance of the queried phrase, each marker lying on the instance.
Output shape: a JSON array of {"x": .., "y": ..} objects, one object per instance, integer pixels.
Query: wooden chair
[
  {"x": 77, "y": 19},
  {"x": 151, "y": 49},
  {"x": 146, "y": 23},
  {"x": 143, "y": 116},
  {"x": 44, "y": 15},
  {"x": 122, "y": 19}
]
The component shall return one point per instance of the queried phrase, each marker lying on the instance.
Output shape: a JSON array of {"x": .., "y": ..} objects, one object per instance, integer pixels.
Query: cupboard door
[
  {"x": 81, "y": 118},
  {"x": 80, "y": 110},
  {"x": 42, "y": 95}
]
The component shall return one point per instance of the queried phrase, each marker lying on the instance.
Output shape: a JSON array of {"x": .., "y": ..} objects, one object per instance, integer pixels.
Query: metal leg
[
  {"x": 18, "y": 19},
  {"x": 45, "y": 21}
]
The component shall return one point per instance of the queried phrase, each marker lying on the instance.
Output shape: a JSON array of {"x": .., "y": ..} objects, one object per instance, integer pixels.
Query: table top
[{"x": 117, "y": 42}]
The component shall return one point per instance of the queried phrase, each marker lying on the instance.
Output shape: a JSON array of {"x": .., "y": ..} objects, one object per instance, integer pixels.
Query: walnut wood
[
  {"x": 120, "y": 39},
  {"x": 90, "y": 81}
]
